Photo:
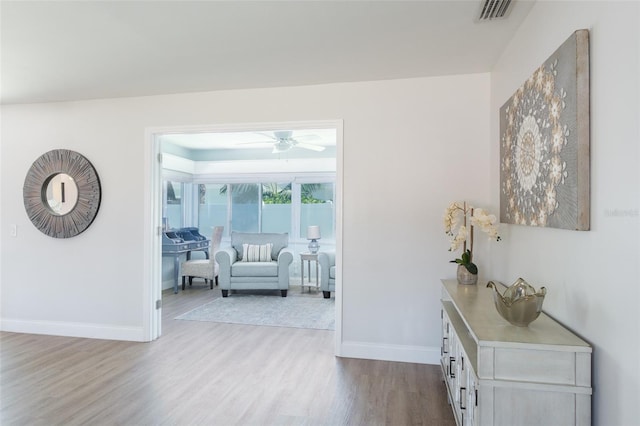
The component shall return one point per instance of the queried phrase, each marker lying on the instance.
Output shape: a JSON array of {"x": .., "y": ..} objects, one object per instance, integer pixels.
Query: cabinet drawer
[
  {"x": 553, "y": 367},
  {"x": 521, "y": 407}
]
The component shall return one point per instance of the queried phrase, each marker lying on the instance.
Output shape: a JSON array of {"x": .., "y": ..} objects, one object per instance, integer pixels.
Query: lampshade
[{"x": 313, "y": 232}]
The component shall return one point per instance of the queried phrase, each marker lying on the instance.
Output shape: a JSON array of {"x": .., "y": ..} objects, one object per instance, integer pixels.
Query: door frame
[{"x": 152, "y": 262}]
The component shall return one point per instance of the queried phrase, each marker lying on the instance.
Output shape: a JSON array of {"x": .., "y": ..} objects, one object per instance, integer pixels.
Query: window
[
  {"x": 276, "y": 207},
  {"x": 172, "y": 206},
  {"x": 317, "y": 208},
  {"x": 212, "y": 206},
  {"x": 267, "y": 207},
  {"x": 245, "y": 207}
]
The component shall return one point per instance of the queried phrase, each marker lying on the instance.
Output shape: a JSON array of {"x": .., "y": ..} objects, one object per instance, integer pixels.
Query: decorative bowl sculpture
[{"x": 520, "y": 304}]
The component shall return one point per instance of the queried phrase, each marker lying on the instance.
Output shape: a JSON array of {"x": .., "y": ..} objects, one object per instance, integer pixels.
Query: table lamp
[{"x": 313, "y": 234}]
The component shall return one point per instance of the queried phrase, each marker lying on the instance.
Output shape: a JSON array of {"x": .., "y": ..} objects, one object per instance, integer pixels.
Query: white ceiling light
[{"x": 284, "y": 142}]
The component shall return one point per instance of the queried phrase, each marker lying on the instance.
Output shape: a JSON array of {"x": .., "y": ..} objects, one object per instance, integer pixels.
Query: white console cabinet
[{"x": 500, "y": 374}]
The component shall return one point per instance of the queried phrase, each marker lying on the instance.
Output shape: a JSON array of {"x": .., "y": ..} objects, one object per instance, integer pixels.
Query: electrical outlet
[{"x": 13, "y": 231}]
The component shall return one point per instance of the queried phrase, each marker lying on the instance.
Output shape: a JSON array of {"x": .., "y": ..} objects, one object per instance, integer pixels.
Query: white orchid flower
[{"x": 455, "y": 218}]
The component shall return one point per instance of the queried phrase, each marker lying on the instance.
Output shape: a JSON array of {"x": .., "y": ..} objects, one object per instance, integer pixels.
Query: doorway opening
[{"x": 246, "y": 178}]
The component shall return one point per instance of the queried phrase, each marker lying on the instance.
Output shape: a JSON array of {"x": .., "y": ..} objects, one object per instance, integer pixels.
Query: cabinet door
[
  {"x": 457, "y": 379},
  {"x": 446, "y": 325},
  {"x": 445, "y": 348},
  {"x": 452, "y": 365},
  {"x": 472, "y": 417},
  {"x": 463, "y": 372}
]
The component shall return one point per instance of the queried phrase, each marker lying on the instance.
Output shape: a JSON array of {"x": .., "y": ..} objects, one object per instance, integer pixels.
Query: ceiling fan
[{"x": 284, "y": 141}]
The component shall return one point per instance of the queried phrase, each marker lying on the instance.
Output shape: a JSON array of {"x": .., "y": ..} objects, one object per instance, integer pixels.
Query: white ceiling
[{"x": 74, "y": 50}]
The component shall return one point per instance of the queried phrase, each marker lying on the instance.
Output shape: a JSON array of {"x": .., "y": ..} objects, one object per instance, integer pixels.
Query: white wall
[
  {"x": 410, "y": 147},
  {"x": 590, "y": 276}
]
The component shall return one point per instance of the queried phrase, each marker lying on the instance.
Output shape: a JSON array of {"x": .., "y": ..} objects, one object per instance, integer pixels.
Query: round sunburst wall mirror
[{"x": 61, "y": 193}]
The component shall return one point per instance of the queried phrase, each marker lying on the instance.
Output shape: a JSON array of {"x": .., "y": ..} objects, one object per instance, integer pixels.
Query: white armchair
[
  {"x": 327, "y": 261},
  {"x": 204, "y": 268}
]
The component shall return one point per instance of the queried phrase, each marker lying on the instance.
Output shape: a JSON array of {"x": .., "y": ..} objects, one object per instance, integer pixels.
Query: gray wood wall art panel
[{"x": 62, "y": 193}]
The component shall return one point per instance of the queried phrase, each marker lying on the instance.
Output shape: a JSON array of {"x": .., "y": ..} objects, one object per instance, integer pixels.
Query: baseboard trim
[
  {"x": 398, "y": 353},
  {"x": 166, "y": 285},
  {"x": 71, "y": 329}
]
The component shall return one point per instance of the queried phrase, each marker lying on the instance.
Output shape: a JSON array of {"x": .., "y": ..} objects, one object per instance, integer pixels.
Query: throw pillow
[{"x": 256, "y": 253}]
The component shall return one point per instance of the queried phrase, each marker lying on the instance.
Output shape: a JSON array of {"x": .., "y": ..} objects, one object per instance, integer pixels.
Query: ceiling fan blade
[
  {"x": 307, "y": 138},
  {"x": 255, "y": 143},
  {"x": 272, "y": 137},
  {"x": 316, "y": 148}
]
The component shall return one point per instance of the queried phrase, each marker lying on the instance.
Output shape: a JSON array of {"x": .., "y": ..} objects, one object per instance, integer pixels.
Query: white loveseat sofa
[{"x": 241, "y": 269}]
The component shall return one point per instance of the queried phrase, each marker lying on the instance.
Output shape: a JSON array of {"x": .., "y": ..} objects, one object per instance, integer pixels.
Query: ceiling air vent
[{"x": 494, "y": 9}]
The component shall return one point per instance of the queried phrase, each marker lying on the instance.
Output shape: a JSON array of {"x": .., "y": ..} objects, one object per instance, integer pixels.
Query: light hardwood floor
[{"x": 210, "y": 374}]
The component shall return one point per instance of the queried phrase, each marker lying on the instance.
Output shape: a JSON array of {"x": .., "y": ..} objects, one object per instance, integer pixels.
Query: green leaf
[{"x": 472, "y": 268}]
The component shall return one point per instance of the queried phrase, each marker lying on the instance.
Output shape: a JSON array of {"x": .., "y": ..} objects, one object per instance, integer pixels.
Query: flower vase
[{"x": 465, "y": 277}]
